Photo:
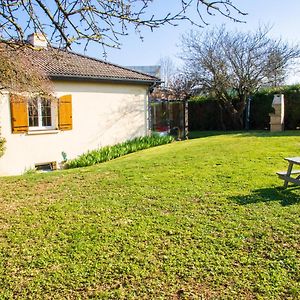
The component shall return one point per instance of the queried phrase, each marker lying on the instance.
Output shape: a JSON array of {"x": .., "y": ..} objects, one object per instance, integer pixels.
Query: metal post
[
  {"x": 186, "y": 119},
  {"x": 247, "y": 125}
]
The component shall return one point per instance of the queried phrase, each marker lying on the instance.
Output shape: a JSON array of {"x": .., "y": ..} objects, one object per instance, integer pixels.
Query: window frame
[{"x": 40, "y": 116}]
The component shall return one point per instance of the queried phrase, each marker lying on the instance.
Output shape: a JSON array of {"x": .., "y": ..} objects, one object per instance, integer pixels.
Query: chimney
[{"x": 37, "y": 40}]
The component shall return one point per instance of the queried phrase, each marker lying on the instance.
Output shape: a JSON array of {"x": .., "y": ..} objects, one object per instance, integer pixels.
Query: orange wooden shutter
[
  {"x": 65, "y": 112},
  {"x": 19, "y": 113}
]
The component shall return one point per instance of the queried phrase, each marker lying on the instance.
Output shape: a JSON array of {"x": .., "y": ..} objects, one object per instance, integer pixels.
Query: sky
[{"x": 282, "y": 16}]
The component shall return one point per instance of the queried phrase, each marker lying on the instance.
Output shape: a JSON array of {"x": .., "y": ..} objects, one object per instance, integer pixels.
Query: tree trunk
[
  {"x": 223, "y": 126},
  {"x": 235, "y": 115},
  {"x": 237, "y": 120}
]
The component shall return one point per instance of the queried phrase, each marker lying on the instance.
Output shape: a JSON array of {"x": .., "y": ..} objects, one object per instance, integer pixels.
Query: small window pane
[
  {"x": 39, "y": 113},
  {"x": 46, "y": 121},
  {"x": 46, "y": 112},
  {"x": 33, "y": 113}
]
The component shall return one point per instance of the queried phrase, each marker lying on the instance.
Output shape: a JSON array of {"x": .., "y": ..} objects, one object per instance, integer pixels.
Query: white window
[{"x": 41, "y": 114}]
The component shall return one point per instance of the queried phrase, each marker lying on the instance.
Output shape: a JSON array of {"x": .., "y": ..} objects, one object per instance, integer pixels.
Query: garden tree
[
  {"x": 181, "y": 87},
  {"x": 167, "y": 70},
  {"x": 231, "y": 65},
  {"x": 102, "y": 21},
  {"x": 275, "y": 72},
  {"x": 18, "y": 74}
]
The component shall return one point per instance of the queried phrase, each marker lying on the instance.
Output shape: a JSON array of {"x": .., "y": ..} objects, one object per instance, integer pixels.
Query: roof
[
  {"x": 62, "y": 64},
  {"x": 150, "y": 70}
]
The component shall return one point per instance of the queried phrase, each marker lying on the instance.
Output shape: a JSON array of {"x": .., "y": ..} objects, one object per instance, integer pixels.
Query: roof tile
[{"x": 57, "y": 63}]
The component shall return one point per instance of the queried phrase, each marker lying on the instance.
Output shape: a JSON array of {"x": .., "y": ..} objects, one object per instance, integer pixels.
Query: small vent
[{"x": 46, "y": 167}]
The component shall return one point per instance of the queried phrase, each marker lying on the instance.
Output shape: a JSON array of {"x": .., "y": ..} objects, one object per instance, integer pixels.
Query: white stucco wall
[{"x": 103, "y": 114}]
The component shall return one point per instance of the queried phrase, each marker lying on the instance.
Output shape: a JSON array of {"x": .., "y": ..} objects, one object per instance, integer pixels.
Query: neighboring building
[
  {"x": 150, "y": 70},
  {"x": 98, "y": 104}
]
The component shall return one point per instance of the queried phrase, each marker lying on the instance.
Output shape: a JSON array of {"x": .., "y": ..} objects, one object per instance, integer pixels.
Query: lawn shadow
[
  {"x": 250, "y": 133},
  {"x": 285, "y": 196},
  {"x": 267, "y": 133},
  {"x": 202, "y": 134}
]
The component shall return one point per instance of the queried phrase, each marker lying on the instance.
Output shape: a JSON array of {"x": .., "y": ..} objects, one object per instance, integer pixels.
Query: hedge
[{"x": 204, "y": 112}]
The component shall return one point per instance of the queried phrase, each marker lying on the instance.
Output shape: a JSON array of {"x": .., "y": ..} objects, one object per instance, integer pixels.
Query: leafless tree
[
  {"x": 232, "y": 65},
  {"x": 102, "y": 21},
  {"x": 19, "y": 74},
  {"x": 180, "y": 87},
  {"x": 167, "y": 70},
  {"x": 276, "y": 72}
]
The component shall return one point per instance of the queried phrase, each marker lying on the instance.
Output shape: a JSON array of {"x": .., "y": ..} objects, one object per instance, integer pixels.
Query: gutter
[{"x": 152, "y": 83}]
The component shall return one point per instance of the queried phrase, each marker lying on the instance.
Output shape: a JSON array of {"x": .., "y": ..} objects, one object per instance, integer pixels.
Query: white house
[{"x": 97, "y": 104}]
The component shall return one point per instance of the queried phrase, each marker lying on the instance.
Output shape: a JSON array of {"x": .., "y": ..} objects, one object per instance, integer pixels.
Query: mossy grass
[{"x": 200, "y": 219}]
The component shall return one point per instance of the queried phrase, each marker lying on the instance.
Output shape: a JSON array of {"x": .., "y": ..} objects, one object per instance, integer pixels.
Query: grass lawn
[{"x": 199, "y": 219}]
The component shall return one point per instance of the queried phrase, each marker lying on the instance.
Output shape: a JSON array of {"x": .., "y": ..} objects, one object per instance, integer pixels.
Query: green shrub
[
  {"x": 110, "y": 152},
  {"x": 2, "y": 148}
]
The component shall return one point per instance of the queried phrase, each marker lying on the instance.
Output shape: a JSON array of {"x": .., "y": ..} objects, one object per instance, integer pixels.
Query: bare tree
[
  {"x": 19, "y": 74},
  {"x": 275, "y": 70},
  {"x": 232, "y": 65},
  {"x": 101, "y": 21},
  {"x": 167, "y": 70},
  {"x": 181, "y": 87}
]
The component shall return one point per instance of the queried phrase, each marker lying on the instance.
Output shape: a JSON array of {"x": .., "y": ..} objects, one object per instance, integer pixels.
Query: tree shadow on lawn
[
  {"x": 195, "y": 134},
  {"x": 250, "y": 133},
  {"x": 267, "y": 133},
  {"x": 285, "y": 196}
]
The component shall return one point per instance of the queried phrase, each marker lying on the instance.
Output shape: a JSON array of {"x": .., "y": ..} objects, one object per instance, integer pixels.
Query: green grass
[{"x": 199, "y": 219}]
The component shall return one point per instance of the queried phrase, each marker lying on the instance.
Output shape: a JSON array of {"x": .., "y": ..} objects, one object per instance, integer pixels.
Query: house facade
[{"x": 95, "y": 104}]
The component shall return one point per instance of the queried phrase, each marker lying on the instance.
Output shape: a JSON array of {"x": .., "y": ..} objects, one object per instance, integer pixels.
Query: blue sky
[{"x": 283, "y": 16}]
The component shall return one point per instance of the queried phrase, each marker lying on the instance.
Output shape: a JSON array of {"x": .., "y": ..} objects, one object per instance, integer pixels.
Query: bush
[
  {"x": 2, "y": 148},
  {"x": 110, "y": 152}
]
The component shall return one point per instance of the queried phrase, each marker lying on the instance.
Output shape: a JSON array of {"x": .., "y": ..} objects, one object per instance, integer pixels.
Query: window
[{"x": 41, "y": 114}]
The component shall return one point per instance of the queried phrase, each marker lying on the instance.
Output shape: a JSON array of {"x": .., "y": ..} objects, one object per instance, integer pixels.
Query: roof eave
[{"x": 106, "y": 79}]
